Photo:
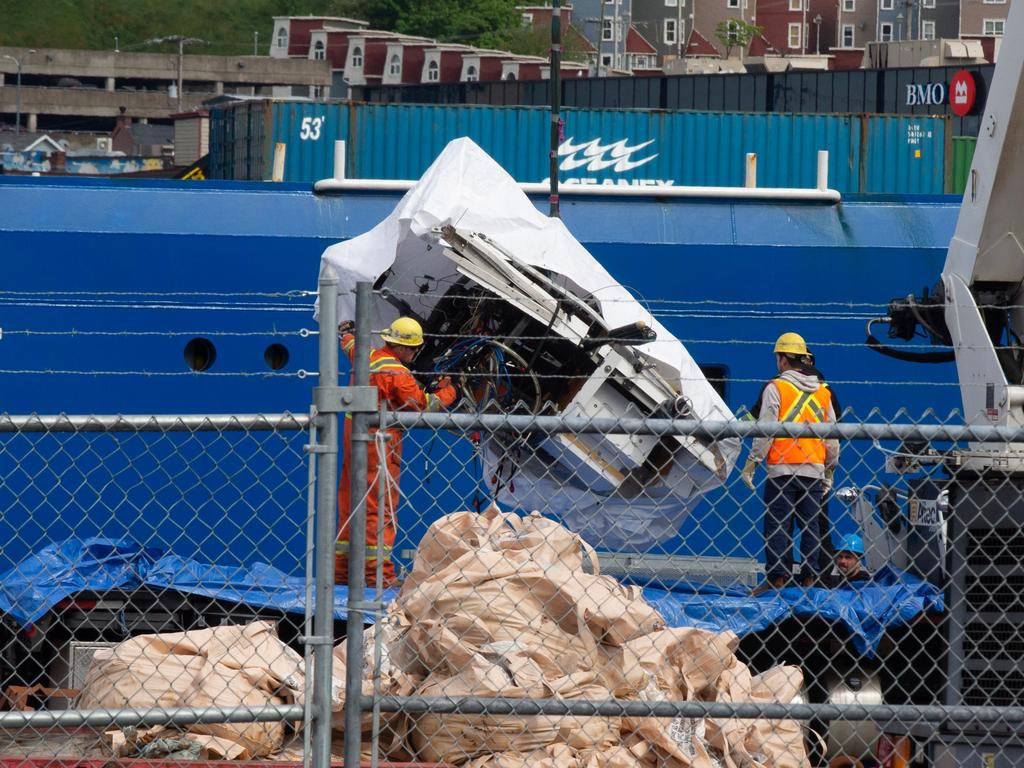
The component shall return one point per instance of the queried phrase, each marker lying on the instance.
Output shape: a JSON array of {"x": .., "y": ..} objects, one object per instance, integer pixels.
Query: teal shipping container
[
  {"x": 612, "y": 147},
  {"x": 906, "y": 154},
  {"x": 867, "y": 154},
  {"x": 243, "y": 136}
]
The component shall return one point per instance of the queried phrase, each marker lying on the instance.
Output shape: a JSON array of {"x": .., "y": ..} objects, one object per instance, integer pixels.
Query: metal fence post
[
  {"x": 357, "y": 534},
  {"x": 326, "y": 528}
]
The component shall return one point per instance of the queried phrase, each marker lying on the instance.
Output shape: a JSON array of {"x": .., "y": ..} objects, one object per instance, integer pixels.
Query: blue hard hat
[{"x": 851, "y": 542}]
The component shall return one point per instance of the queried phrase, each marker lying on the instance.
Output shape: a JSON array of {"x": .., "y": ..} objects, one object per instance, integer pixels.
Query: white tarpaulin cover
[{"x": 465, "y": 187}]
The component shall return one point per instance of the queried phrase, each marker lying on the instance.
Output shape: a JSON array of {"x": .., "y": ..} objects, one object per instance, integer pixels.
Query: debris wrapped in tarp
[
  {"x": 500, "y": 606},
  {"x": 466, "y": 219}
]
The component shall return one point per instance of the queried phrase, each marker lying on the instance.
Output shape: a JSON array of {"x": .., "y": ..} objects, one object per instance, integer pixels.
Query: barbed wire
[
  {"x": 647, "y": 301},
  {"x": 211, "y": 307},
  {"x": 301, "y": 332},
  {"x": 544, "y": 377},
  {"x": 308, "y": 332},
  {"x": 685, "y": 340},
  {"x": 643, "y": 300},
  {"x": 300, "y": 374},
  {"x": 295, "y": 293}
]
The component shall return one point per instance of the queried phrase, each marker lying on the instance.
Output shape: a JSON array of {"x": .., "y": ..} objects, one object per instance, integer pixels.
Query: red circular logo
[{"x": 962, "y": 93}]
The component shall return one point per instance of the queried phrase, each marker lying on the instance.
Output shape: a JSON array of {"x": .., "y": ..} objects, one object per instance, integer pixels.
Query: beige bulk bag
[
  {"x": 780, "y": 742},
  {"x": 393, "y": 682},
  {"x": 681, "y": 664},
  {"x": 769, "y": 743},
  {"x": 454, "y": 535},
  {"x": 614, "y": 612},
  {"x": 236, "y": 666},
  {"x": 560, "y": 756},
  {"x": 447, "y": 738},
  {"x": 507, "y": 671},
  {"x": 489, "y": 596}
]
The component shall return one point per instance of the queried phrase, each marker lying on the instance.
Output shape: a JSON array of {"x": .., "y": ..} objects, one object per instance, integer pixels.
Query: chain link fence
[
  {"x": 575, "y": 584},
  {"x": 583, "y": 581},
  {"x": 154, "y": 589}
]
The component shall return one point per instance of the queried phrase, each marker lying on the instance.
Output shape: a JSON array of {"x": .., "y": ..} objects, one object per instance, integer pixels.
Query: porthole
[
  {"x": 200, "y": 354},
  {"x": 276, "y": 356}
]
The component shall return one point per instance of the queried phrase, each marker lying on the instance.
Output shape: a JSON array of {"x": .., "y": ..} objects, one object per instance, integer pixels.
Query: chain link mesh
[
  {"x": 154, "y": 582},
  {"x": 589, "y": 588},
  {"x": 547, "y": 614}
]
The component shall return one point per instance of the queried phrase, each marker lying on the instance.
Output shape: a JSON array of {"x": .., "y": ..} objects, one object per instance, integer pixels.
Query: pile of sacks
[
  {"x": 496, "y": 605},
  {"x": 499, "y": 605},
  {"x": 229, "y": 666}
]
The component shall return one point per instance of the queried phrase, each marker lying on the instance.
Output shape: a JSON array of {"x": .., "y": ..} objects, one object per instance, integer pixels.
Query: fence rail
[
  {"x": 184, "y": 578},
  {"x": 167, "y": 423}
]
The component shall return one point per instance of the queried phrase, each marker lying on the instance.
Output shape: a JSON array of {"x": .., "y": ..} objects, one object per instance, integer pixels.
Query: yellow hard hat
[
  {"x": 791, "y": 344},
  {"x": 405, "y": 332}
]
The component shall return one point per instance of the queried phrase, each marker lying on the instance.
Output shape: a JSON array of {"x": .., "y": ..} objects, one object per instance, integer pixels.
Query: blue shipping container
[
  {"x": 308, "y": 130},
  {"x": 401, "y": 141},
  {"x": 243, "y": 135},
  {"x": 613, "y": 147},
  {"x": 598, "y": 147},
  {"x": 906, "y": 155}
]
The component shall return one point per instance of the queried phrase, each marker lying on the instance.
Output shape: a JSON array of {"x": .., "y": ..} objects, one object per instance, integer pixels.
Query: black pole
[
  {"x": 556, "y": 101},
  {"x": 17, "y": 99}
]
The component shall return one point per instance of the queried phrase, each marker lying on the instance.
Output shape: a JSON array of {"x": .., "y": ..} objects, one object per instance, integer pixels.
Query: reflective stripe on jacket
[
  {"x": 801, "y": 407},
  {"x": 341, "y": 547},
  {"x": 397, "y": 386}
]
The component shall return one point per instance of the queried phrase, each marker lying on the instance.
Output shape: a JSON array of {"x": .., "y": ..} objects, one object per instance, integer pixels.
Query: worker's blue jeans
[{"x": 788, "y": 500}]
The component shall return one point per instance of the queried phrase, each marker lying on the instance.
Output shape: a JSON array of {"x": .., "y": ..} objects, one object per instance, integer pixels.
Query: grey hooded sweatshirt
[{"x": 770, "y": 402}]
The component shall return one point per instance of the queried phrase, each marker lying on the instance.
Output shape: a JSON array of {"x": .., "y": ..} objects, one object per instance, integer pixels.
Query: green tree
[
  {"x": 228, "y": 26},
  {"x": 487, "y": 23},
  {"x": 530, "y": 41},
  {"x": 736, "y": 33}
]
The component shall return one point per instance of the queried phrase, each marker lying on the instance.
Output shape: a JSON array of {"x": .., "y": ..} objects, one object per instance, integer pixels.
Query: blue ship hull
[{"x": 152, "y": 265}]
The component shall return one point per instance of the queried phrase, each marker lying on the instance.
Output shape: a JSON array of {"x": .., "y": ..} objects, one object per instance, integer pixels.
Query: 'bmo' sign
[
  {"x": 925, "y": 94},
  {"x": 961, "y": 93}
]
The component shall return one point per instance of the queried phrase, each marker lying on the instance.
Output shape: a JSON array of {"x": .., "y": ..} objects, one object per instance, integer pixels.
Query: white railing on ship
[{"x": 821, "y": 193}]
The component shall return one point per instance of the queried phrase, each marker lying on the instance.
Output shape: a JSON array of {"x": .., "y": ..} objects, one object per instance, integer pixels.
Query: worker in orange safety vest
[
  {"x": 398, "y": 391},
  {"x": 799, "y": 469}
]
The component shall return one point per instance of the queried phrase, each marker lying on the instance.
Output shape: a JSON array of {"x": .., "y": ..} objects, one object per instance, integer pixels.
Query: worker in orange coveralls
[{"x": 400, "y": 391}]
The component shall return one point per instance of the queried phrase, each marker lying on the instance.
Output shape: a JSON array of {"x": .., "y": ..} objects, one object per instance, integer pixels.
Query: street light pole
[
  {"x": 555, "y": 82},
  {"x": 17, "y": 90},
  {"x": 803, "y": 27},
  {"x": 182, "y": 41}
]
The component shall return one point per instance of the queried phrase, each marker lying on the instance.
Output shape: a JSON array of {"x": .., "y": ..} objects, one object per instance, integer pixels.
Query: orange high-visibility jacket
[
  {"x": 396, "y": 384},
  {"x": 798, "y": 406}
]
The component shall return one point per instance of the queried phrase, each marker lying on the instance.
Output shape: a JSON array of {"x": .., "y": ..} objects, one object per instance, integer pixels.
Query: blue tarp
[
  {"x": 867, "y": 609},
  {"x": 65, "y": 568}
]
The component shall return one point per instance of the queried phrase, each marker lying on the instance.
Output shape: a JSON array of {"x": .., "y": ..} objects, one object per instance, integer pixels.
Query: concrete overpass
[{"x": 98, "y": 84}]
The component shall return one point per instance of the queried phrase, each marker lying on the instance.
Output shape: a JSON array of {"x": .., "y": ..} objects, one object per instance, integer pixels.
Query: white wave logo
[{"x": 598, "y": 157}]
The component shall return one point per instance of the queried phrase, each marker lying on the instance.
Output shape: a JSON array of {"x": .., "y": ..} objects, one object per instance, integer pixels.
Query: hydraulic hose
[{"x": 902, "y": 354}]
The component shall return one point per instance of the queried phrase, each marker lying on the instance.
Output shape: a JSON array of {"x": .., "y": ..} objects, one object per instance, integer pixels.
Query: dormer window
[
  {"x": 357, "y": 57},
  {"x": 395, "y": 65},
  {"x": 282, "y": 37},
  {"x": 319, "y": 52},
  {"x": 433, "y": 72},
  {"x": 471, "y": 74}
]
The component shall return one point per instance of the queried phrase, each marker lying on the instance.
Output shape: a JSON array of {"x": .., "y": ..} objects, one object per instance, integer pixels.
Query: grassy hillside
[{"x": 227, "y": 24}]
